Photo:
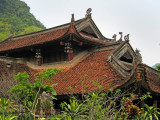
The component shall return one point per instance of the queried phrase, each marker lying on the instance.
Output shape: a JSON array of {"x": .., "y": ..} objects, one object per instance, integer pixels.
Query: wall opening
[{"x": 126, "y": 57}]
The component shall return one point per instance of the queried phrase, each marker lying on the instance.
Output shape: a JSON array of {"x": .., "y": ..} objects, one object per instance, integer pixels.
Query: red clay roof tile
[
  {"x": 32, "y": 40},
  {"x": 84, "y": 76}
]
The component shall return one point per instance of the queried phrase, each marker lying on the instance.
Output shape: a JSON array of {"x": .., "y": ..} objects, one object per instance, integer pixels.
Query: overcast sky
[{"x": 139, "y": 18}]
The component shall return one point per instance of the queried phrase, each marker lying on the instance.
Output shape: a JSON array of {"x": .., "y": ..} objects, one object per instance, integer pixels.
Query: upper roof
[{"x": 56, "y": 33}]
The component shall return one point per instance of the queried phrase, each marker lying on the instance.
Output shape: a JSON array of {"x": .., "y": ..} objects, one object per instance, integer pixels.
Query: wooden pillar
[
  {"x": 68, "y": 49},
  {"x": 70, "y": 56},
  {"x": 39, "y": 57},
  {"x": 39, "y": 61}
]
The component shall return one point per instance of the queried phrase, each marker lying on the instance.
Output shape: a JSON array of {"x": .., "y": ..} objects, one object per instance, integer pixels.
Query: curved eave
[
  {"x": 153, "y": 79},
  {"x": 145, "y": 78}
]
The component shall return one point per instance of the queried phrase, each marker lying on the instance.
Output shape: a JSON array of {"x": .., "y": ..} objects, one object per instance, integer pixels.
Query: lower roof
[{"x": 90, "y": 73}]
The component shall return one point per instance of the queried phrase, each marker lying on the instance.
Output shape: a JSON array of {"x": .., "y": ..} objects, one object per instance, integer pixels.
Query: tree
[
  {"x": 27, "y": 94},
  {"x": 30, "y": 29},
  {"x": 16, "y": 16}
]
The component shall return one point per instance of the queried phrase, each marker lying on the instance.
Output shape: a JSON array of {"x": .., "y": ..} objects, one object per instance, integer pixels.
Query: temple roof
[{"x": 52, "y": 34}]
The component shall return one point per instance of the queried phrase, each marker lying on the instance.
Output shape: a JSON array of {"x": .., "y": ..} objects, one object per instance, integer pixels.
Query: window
[{"x": 126, "y": 57}]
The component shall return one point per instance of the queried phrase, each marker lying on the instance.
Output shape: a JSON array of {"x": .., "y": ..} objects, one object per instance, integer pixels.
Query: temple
[{"x": 88, "y": 60}]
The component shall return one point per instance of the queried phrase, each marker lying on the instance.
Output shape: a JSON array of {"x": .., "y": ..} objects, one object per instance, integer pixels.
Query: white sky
[{"x": 139, "y": 18}]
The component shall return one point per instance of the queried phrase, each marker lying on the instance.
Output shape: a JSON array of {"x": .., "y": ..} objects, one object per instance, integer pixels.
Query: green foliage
[
  {"x": 145, "y": 96},
  {"x": 158, "y": 67},
  {"x": 57, "y": 117},
  {"x": 104, "y": 106},
  {"x": 9, "y": 117},
  {"x": 16, "y": 16},
  {"x": 25, "y": 92},
  {"x": 30, "y": 29},
  {"x": 72, "y": 110},
  {"x": 6, "y": 106},
  {"x": 111, "y": 105},
  {"x": 4, "y": 30},
  {"x": 22, "y": 92},
  {"x": 28, "y": 94},
  {"x": 151, "y": 113}
]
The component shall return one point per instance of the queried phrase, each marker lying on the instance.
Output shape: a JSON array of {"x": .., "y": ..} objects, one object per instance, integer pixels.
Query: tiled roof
[
  {"x": 87, "y": 75},
  {"x": 153, "y": 80},
  {"x": 96, "y": 40},
  {"x": 33, "y": 40},
  {"x": 48, "y": 36},
  {"x": 36, "y": 39}
]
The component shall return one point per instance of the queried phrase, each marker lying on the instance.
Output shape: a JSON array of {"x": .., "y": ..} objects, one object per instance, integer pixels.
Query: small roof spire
[
  {"x": 72, "y": 19},
  {"x": 121, "y": 35},
  {"x": 72, "y": 25}
]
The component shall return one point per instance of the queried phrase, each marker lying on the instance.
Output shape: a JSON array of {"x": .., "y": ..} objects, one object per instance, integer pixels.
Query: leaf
[
  {"x": 11, "y": 118},
  {"x": 110, "y": 90},
  {"x": 156, "y": 117},
  {"x": 54, "y": 98},
  {"x": 53, "y": 92}
]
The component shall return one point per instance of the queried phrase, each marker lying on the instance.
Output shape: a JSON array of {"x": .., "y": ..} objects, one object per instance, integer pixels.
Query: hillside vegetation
[{"x": 15, "y": 16}]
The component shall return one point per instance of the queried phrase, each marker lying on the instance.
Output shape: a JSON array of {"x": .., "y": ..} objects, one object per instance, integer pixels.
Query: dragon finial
[
  {"x": 126, "y": 37},
  {"x": 114, "y": 36},
  {"x": 88, "y": 12}
]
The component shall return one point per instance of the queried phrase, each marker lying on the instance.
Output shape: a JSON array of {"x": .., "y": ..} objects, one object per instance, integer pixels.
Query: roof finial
[
  {"x": 114, "y": 37},
  {"x": 139, "y": 56},
  {"x": 121, "y": 35},
  {"x": 126, "y": 37},
  {"x": 137, "y": 51},
  {"x": 88, "y": 12},
  {"x": 72, "y": 19}
]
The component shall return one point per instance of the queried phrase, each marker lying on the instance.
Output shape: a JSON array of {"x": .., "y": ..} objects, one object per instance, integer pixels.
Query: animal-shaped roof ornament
[
  {"x": 88, "y": 12},
  {"x": 126, "y": 37}
]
